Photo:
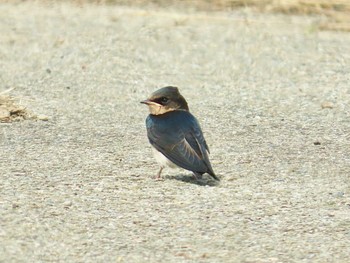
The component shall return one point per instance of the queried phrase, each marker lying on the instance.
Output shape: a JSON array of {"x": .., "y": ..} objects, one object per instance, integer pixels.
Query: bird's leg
[
  {"x": 197, "y": 176},
  {"x": 159, "y": 172}
]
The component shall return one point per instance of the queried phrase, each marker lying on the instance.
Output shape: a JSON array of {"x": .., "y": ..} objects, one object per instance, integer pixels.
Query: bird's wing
[{"x": 180, "y": 139}]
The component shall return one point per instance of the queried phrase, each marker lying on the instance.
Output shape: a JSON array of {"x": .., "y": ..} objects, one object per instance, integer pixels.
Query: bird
[{"x": 175, "y": 134}]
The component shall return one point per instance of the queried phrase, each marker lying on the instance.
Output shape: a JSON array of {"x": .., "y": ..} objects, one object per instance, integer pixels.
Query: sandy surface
[{"x": 272, "y": 95}]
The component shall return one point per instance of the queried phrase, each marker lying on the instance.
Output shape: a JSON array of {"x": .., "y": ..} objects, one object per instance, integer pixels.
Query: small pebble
[
  {"x": 67, "y": 203},
  {"x": 42, "y": 118},
  {"x": 327, "y": 105},
  {"x": 15, "y": 205},
  {"x": 4, "y": 113}
]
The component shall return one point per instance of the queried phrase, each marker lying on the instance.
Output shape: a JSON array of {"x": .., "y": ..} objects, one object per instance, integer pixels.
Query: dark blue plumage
[
  {"x": 178, "y": 136},
  {"x": 175, "y": 134}
]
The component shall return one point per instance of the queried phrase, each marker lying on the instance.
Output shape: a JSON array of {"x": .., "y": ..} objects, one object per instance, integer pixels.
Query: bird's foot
[
  {"x": 157, "y": 177},
  {"x": 197, "y": 176}
]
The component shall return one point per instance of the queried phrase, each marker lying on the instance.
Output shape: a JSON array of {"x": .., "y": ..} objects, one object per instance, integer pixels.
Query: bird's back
[{"x": 177, "y": 135}]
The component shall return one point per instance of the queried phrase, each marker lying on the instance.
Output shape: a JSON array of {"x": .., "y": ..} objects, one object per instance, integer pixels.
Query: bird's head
[{"x": 164, "y": 100}]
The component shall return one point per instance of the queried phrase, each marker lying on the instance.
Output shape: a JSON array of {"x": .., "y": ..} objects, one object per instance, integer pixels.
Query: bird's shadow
[{"x": 192, "y": 180}]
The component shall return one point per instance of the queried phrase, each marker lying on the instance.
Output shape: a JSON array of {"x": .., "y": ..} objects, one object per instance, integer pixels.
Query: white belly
[{"x": 162, "y": 160}]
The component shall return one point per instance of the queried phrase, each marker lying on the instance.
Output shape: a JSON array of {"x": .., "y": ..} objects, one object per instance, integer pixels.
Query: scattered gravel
[{"x": 271, "y": 93}]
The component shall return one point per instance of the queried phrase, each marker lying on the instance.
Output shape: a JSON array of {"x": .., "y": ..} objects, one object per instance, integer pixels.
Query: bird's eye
[{"x": 164, "y": 100}]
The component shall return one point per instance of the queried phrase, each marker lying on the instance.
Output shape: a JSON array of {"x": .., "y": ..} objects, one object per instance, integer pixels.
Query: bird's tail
[
  {"x": 214, "y": 176},
  {"x": 198, "y": 175}
]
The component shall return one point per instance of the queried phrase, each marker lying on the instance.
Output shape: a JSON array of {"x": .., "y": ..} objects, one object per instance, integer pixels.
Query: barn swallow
[{"x": 175, "y": 134}]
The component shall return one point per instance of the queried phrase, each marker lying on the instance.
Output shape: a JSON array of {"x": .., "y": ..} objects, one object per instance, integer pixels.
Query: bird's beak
[{"x": 149, "y": 102}]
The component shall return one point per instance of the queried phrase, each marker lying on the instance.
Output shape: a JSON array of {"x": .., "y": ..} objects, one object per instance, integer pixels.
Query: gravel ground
[{"x": 272, "y": 95}]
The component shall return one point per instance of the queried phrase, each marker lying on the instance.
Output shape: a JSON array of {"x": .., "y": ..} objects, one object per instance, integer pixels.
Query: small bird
[{"x": 175, "y": 134}]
